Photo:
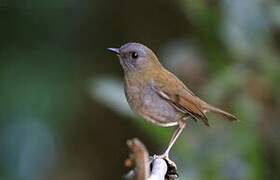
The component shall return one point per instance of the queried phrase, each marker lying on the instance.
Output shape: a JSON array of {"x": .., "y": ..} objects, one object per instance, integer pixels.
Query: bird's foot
[{"x": 171, "y": 166}]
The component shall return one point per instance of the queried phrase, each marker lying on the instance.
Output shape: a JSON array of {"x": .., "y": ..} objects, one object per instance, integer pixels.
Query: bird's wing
[{"x": 181, "y": 99}]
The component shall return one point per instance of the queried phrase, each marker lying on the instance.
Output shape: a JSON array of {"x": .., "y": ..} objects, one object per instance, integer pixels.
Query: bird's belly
[{"x": 153, "y": 108}]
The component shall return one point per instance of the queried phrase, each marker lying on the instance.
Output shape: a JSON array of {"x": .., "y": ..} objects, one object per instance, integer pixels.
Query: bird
[{"x": 157, "y": 95}]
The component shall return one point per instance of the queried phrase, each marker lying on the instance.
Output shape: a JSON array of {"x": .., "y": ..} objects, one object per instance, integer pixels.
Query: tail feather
[{"x": 226, "y": 115}]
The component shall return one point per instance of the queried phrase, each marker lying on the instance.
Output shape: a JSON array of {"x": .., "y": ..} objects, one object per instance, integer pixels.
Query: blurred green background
[{"x": 63, "y": 115}]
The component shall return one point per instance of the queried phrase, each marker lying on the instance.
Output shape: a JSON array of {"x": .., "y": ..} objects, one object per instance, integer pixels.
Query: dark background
[{"x": 63, "y": 115}]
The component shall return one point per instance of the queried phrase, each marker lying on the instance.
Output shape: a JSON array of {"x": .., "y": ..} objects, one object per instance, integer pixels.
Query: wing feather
[{"x": 183, "y": 101}]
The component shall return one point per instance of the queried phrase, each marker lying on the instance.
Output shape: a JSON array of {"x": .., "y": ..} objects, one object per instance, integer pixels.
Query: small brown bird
[{"x": 157, "y": 95}]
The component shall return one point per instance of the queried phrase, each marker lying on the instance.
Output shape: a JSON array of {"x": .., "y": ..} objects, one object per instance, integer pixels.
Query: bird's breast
[{"x": 147, "y": 103}]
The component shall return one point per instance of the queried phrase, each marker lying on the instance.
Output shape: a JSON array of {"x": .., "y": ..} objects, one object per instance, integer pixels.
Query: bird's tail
[{"x": 225, "y": 114}]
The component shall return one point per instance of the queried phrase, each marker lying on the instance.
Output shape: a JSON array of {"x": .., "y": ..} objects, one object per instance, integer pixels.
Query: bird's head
[{"x": 135, "y": 57}]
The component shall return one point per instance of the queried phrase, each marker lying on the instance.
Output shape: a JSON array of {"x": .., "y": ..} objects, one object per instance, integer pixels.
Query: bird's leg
[
  {"x": 172, "y": 168},
  {"x": 175, "y": 136}
]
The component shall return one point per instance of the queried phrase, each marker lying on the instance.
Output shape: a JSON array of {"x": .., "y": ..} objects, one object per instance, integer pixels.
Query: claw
[{"x": 162, "y": 156}]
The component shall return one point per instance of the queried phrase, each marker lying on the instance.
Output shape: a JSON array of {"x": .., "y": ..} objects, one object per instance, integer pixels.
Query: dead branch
[{"x": 146, "y": 168}]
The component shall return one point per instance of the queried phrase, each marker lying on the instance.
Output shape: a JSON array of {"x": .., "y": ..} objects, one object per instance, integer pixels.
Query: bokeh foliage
[{"x": 62, "y": 111}]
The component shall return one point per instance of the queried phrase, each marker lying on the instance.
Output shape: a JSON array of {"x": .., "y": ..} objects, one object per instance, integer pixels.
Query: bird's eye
[{"x": 134, "y": 55}]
